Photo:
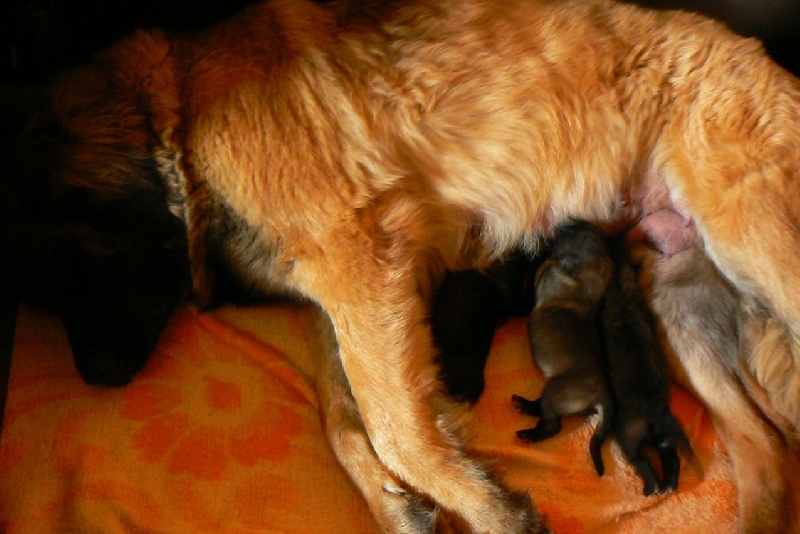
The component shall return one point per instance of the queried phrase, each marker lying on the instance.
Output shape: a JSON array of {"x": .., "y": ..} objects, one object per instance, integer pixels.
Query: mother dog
[{"x": 348, "y": 154}]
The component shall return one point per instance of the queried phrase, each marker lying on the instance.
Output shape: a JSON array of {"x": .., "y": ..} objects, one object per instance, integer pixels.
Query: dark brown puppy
[
  {"x": 639, "y": 379},
  {"x": 564, "y": 337}
]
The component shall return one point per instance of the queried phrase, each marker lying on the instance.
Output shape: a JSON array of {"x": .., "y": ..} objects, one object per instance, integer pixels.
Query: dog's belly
[
  {"x": 522, "y": 204},
  {"x": 657, "y": 218}
]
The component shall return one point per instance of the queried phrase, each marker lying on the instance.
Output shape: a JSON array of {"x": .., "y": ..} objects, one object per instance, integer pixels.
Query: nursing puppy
[
  {"x": 591, "y": 326},
  {"x": 565, "y": 339},
  {"x": 639, "y": 379},
  {"x": 468, "y": 308},
  {"x": 350, "y": 153}
]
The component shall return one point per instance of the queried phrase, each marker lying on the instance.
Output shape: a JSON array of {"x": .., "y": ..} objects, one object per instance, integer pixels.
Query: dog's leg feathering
[
  {"x": 394, "y": 507},
  {"x": 386, "y": 351}
]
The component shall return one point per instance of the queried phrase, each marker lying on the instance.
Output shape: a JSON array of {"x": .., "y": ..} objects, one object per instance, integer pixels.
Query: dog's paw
[
  {"x": 530, "y": 519},
  {"x": 406, "y": 512},
  {"x": 513, "y": 512}
]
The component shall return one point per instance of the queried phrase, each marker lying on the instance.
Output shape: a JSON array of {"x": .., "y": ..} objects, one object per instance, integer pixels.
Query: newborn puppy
[
  {"x": 468, "y": 308},
  {"x": 564, "y": 335},
  {"x": 639, "y": 379}
]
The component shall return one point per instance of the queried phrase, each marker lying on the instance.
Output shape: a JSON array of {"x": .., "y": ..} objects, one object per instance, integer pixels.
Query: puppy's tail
[{"x": 602, "y": 431}]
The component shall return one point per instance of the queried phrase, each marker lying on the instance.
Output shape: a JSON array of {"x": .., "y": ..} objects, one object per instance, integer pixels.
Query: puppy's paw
[
  {"x": 527, "y": 407},
  {"x": 664, "y": 489},
  {"x": 651, "y": 487}
]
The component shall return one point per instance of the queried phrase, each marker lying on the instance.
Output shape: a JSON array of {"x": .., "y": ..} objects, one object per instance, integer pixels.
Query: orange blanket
[{"x": 221, "y": 433}]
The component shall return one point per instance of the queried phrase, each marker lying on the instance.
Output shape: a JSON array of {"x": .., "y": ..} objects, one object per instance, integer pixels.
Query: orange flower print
[{"x": 212, "y": 403}]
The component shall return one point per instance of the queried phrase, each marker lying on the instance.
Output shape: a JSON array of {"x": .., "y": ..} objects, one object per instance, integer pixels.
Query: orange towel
[{"x": 221, "y": 433}]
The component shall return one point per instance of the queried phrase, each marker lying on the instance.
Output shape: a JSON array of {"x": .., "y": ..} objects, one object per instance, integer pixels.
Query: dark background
[
  {"x": 38, "y": 37},
  {"x": 775, "y": 22}
]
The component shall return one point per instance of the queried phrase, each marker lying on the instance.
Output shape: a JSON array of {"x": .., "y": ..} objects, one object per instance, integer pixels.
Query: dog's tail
[{"x": 602, "y": 431}]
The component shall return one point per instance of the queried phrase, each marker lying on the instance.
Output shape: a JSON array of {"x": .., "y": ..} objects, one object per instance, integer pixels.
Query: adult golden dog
[{"x": 350, "y": 154}]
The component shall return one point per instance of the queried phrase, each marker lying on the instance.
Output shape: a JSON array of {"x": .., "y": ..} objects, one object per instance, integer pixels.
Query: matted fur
[{"x": 348, "y": 154}]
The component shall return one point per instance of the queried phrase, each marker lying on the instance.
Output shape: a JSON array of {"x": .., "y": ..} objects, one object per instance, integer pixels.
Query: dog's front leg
[
  {"x": 386, "y": 351},
  {"x": 396, "y": 508}
]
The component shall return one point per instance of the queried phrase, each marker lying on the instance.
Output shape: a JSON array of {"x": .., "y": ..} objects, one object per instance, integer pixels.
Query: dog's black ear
[{"x": 106, "y": 255}]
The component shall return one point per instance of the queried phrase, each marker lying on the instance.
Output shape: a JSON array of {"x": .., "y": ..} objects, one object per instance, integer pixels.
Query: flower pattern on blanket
[
  {"x": 213, "y": 415},
  {"x": 221, "y": 433}
]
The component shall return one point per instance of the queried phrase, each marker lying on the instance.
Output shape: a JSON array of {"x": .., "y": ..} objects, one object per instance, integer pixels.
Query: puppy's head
[
  {"x": 582, "y": 253},
  {"x": 88, "y": 232}
]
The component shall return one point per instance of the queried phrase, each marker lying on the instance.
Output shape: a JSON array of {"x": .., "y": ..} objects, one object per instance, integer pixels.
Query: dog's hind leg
[
  {"x": 768, "y": 368},
  {"x": 761, "y": 462},
  {"x": 386, "y": 351},
  {"x": 698, "y": 311},
  {"x": 759, "y": 253},
  {"x": 752, "y": 233}
]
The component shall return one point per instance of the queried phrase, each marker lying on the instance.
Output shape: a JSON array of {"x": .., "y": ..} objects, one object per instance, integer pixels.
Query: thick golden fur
[{"x": 348, "y": 155}]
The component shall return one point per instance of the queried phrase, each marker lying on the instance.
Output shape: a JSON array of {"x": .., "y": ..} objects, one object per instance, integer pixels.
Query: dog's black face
[{"x": 107, "y": 257}]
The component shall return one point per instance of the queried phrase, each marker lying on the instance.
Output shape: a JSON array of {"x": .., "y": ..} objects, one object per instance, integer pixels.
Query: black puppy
[
  {"x": 639, "y": 379},
  {"x": 468, "y": 308},
  {"x": 564, "y": 336}
]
